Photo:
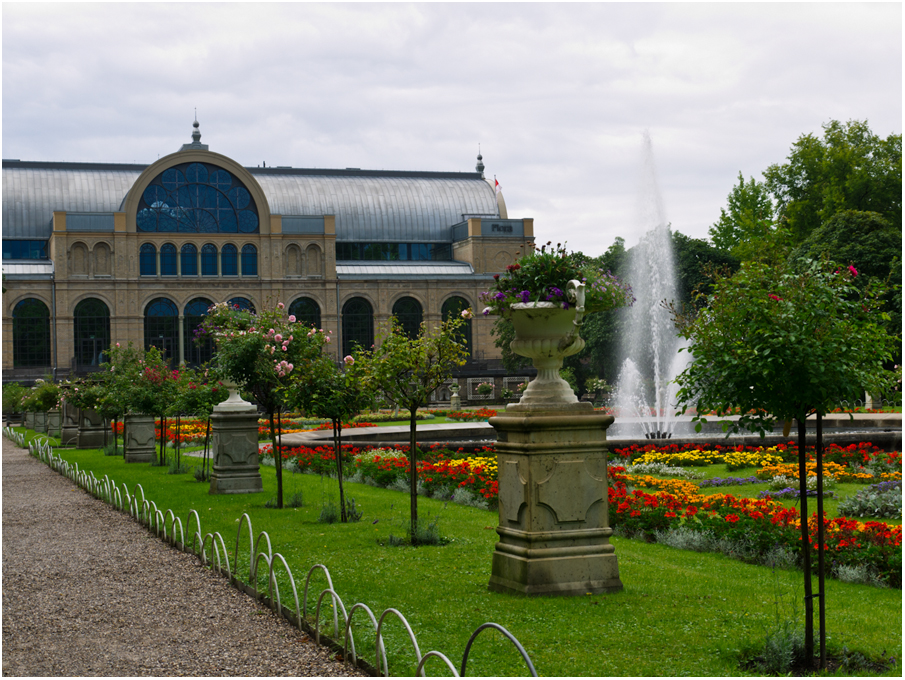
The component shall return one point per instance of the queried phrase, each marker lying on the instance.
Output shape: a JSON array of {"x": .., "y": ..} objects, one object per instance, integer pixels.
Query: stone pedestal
[
  {"x": 139, "y": 438},
  {"x": 234, "y": 442},
  {"x": 29, "y": 420},
  {"x": 70, "y": 430},
  {"x": 54, "y": 421},
  {"x": 553, "y": 503},
  {"x": 40, "y": 421},
  {"x": 91, "y": 430}
]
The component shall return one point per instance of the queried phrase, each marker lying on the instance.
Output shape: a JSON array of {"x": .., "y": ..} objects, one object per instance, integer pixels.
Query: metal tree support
[{"x": 146, "y": 512}]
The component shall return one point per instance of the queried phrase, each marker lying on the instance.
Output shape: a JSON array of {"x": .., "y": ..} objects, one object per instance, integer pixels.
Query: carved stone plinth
[
  {"x": 553, "y": 504},
  {"x": 139, "y": 438},
  {"x": 40, "y": 421},
  {"x": 29, "y": 420},
  {"x": 70, "y": 431},
  {"x": 234, "y": 442},
  {"x": 54, "y": 420},
  {"x": 91, "y": 430}
]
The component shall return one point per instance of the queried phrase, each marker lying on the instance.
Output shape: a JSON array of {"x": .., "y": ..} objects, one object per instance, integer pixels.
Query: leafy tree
[
  {"x": 746, "y": 227},
  {"x": 12, "y": 397},
  {"x": 851, "y": 168},
  {"x": 867, "y": 241},
  {"x": 786, "y": 343},
  {"x": 201, "y": 390},
  {"x": 694, "y": 258},
  {"x": 406, "y": 370},
  {"x": 326, "y": 390}
]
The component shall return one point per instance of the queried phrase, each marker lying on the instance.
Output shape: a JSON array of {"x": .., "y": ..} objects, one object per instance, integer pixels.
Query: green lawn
[{"x": 681, "y": 613}]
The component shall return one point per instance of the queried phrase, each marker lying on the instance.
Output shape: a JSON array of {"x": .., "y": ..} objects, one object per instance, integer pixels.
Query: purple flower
[
  {"x": 500, "y": 296},
  {"x": 565, "y": 305},
  {"x": 525, "y": 296}
]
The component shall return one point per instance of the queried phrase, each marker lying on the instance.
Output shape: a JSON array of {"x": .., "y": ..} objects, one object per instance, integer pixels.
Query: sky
[{"x": 558, "y": 96}]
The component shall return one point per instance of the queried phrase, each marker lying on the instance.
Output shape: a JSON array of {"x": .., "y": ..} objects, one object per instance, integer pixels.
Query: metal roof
[
  {"x": 27, "y": 269},
  {"x": 432, "y": 270},
  {"x": 369, "y": 205}
]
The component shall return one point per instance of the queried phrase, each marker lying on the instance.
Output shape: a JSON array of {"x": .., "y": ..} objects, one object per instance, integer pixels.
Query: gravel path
[{"x": 88, "y": 591}]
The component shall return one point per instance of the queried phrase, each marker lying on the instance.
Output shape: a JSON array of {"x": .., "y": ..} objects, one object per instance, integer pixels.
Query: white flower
[{"x": 467, "y": 313}]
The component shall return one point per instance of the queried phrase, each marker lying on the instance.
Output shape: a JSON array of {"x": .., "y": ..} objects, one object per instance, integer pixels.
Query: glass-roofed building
[{"x": 98, "y": 253}]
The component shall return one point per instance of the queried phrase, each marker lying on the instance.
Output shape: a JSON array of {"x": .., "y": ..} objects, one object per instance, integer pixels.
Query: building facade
[{"x": 97, "y": 253}]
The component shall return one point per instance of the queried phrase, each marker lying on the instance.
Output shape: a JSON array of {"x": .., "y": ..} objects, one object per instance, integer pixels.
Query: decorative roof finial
[
  {"x": 196, "y": 137},
  {"x": 480, "y": 166}
]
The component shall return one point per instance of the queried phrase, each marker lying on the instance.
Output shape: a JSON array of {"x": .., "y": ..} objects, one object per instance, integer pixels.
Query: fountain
[{"x": 645, "y": 389}]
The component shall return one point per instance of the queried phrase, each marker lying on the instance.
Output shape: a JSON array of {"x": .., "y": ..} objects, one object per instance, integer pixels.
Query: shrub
[{"x": 877, "y": 500}]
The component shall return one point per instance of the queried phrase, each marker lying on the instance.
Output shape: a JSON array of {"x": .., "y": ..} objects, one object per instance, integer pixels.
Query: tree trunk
[
  {"x": 805, "y": 544},
  {"x": 413, "y": 471},
  {"x": 821, "y": 592},
  {"x": 278, "y": 463},
  {"x": 338, "y": 453}
]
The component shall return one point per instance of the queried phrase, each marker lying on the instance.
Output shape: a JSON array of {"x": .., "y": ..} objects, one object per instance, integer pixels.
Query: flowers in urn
[
  {"x": 543, "y": 276},
  {"x": 485, "y": 389}
]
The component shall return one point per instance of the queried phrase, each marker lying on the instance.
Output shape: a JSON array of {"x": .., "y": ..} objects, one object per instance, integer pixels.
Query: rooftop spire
[
  {"x": 480, "y": 166},
  {"x": 196, "y": 137}
]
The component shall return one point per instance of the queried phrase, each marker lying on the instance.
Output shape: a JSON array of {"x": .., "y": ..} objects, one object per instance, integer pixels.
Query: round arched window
[
  {"x": 162, "y": 327},
  {"x": 31, "y": 333},
  {"x": 199, "y": 351},
  {"x": 306, "y": 312},
  {"x": 197, "y": 198},
  {"x": 453, "y": 308},
  {"x": 92, "y": 332},
  {"x": 358, "y": 325},
  {"x": 408, "y": 313}
]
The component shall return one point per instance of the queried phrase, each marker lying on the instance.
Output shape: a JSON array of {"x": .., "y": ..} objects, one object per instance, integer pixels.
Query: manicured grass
[{"x": 681, "y": 613}]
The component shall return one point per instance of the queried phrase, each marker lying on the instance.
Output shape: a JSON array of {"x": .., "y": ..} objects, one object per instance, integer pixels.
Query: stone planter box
[
  {"x": 91, "y": 430},
  {"x": 54, "y": 422},
  {"x": 70, "y": 427},
  {"x": 30, "y": 420},
  {"x": 40, "y": 421},
  {"x": 139, "y": 438}
]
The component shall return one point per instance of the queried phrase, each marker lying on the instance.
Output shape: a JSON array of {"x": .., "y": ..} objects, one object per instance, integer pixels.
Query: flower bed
[{"x": 470, "y": 416}]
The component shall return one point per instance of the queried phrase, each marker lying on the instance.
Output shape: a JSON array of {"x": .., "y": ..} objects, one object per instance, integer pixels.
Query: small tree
[
  {"x": 407, "y": 370},
  {"x": 787, "y": 343},
  {"x": 338, "y": 392}
]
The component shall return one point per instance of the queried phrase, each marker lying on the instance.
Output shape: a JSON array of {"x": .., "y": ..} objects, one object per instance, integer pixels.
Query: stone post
[
  {"x": 70, "y": 430},
  {"x": 91, "y": 430},
  {"x": 455, "y": 401},
  {"x": 29, "y": 420},
  {"x": 54, "y": 420},
  {"x": 139, "y": 438},
  {"x": 234, "y": 442}
]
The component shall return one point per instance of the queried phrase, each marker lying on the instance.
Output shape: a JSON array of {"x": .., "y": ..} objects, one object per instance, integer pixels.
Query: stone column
[
  {"x": 54, "y": 420},
  {"x": 553, "y": 504},
  {"x": 70, "y": 430},
  {"x": 91, "y": 430},
  {"x": 234, "y": 442},
  {"x": 139, "y": 438}
]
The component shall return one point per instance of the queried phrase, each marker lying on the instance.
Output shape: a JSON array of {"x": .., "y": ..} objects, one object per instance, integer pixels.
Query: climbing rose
[{"x": 349, "y": 360}]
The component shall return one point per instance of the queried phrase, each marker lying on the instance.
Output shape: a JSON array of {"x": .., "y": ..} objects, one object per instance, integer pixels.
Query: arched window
[
  {"x": 306, "y": 311},
  {"x": 162, "y": 327},
  {"x": 241, "y": 303},
  {"x": 208, "y": 260},
  {"x": 196, "y": 353},
  {"x": 249, "y": 260},
  {"x": 358, "y": 325},
  {"x": 453, "y": 308},
  {"x": 147, "y": 260},
  {"x": 168, "y": 260},
  {"x": 229, "y": 260},
  {"x": 197, "y": 198},
  {"x": 31, "y": 334},
  {"x": 92, "y": 332},
  {"x": 189, "y": 260},
  {"x": 408, "y": 313}
]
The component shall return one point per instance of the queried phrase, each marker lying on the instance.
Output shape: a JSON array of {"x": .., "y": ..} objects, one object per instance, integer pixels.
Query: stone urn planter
[
  {"x": 40, "y": 421},
  {"x": 139, "y": 438},
  {"x": 234, "y": 444},
  {"x": 30, "y": 420},
  {"x": 552, "y": 462}
]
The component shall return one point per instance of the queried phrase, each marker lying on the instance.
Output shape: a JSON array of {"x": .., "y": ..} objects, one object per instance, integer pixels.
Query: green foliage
[
  {"x": 882, "y": 500},
  {"x": 45, "y": 395},
  {"x": 851, "y": 168},
  {"x": 694, "y": 259},
  {"x": 13, "y": 393},
  {"x": 568, "y": 374},
  {"x": 871, "y": 244},
  {"x": 778, "y": 343},
  {"x": 746, "y": 227}
]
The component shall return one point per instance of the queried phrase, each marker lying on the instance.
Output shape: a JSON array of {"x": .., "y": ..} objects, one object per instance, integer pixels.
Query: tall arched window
[
  {"x": 306, "y": 312},
  {"x": 31, "y": 334},
  {"x": 92, "y": 332},
  {"x": 453, "y": 308},
  {"x": 162, "y": 327},
  {"x": 409, "y": 314},
  {"x": 196, "y": 353},
  {"x": 358, "y": 325},
  {"x": 189, "y": 260},
  {"x": 168, "y": 260},
  {"x": 198, "y": 198},
  {"x": 208, "y": 260},
  {"x": 249, "y": 260},
  {"x": 241, "y": 303},
  {"x": 229, "y": 260},
  {"x": 147, "y": 260}
]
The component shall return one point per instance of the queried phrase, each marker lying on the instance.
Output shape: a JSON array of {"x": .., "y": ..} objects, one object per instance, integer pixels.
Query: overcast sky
[{"x": 558, "y": 95}]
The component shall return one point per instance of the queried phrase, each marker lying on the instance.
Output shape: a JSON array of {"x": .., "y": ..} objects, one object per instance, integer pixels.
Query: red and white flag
[{"x": 496, "y": 184}]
